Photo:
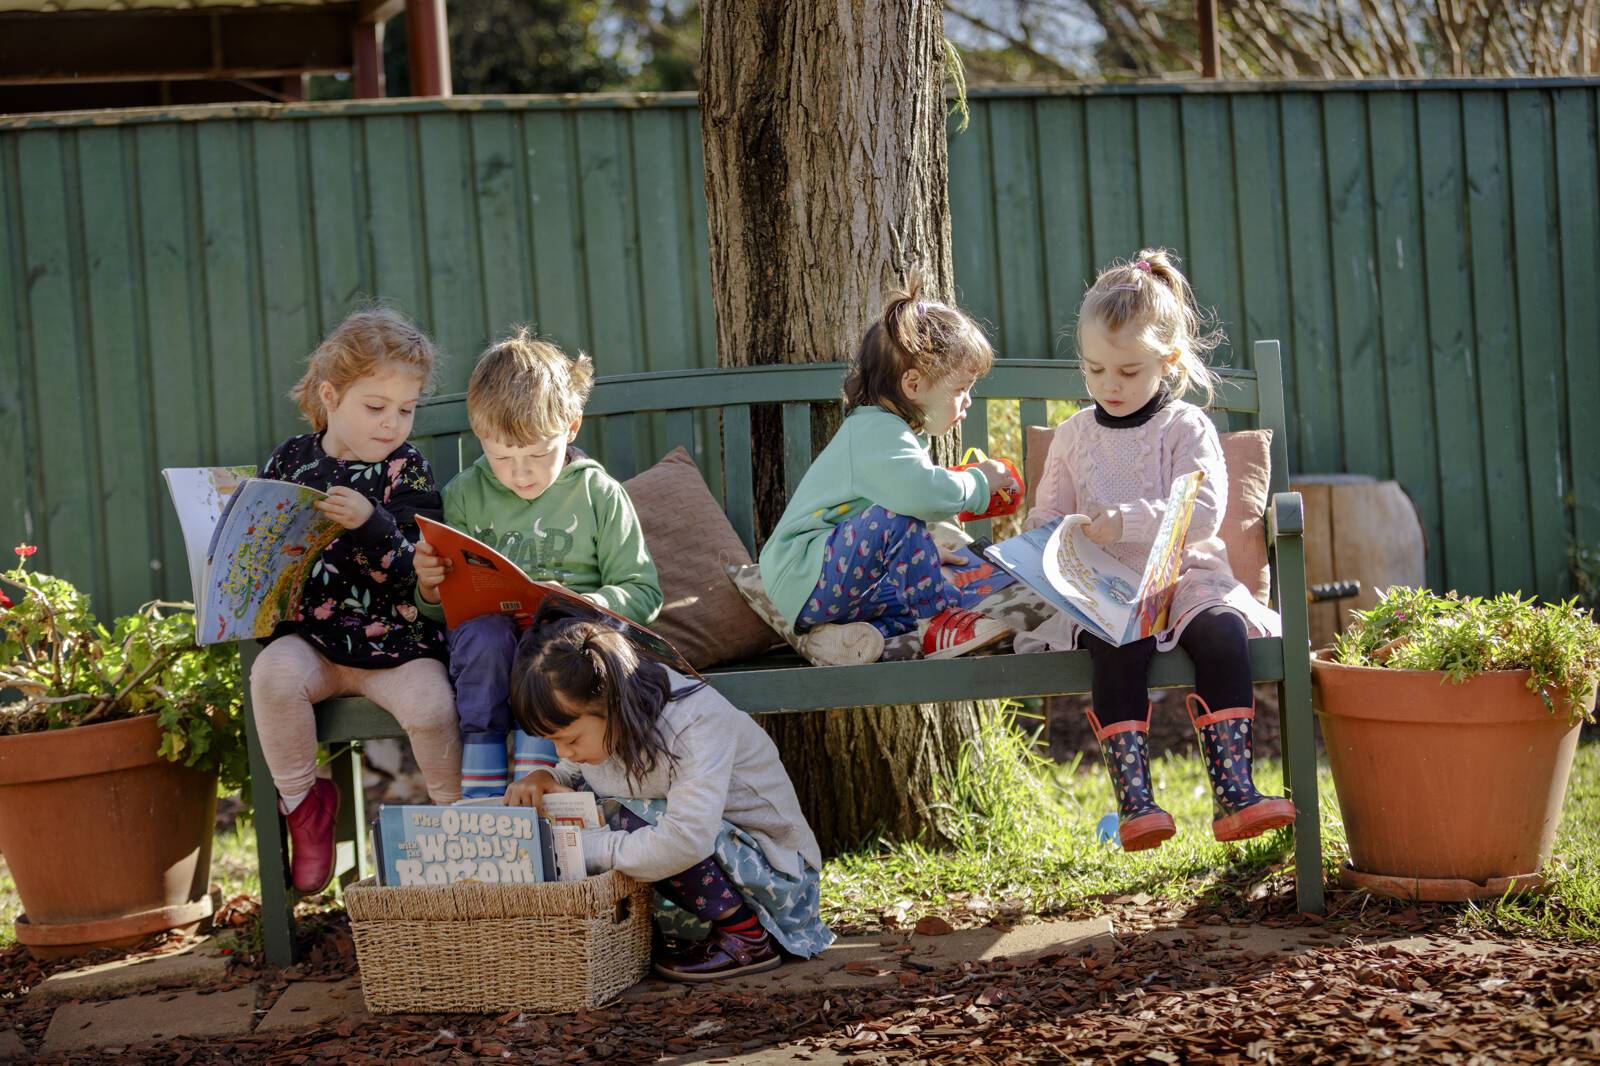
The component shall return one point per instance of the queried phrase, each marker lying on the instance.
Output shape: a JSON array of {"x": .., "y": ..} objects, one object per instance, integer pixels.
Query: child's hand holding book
[
  {"x": 1104, "y": 525},
  {"x": 531, "y": 789},
  {"x": 345, "y": 506},
  {"x": 431, "y": 568}
]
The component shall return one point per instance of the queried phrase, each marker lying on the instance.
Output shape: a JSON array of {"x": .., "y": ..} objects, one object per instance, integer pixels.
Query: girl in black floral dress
[{"x": 357, "y": 631}]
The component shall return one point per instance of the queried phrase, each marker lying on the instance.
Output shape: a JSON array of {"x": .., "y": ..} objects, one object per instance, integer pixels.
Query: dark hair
[
  {"x": 913, "y": 334},
  {"x": 583, "y": 657}
]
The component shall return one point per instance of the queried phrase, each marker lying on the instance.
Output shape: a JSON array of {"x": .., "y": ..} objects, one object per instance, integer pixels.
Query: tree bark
[{"x": 826, "y": 181}]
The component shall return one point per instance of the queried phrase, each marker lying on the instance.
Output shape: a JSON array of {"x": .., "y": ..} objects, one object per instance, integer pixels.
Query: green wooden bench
[{"x": 708, "y": 411}]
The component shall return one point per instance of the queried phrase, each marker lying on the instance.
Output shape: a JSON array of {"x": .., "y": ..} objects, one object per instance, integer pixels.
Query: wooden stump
[{"x": 1357, "y": 529}]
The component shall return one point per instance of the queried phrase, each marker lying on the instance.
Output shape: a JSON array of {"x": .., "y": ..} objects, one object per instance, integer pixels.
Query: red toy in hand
[{"x": 1001, "y": 502}]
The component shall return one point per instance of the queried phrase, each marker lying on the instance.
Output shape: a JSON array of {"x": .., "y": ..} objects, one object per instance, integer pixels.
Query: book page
[
  {"x": 200, "y": 495},
  {"x": 577, "y": 809},
  {"x": 1099, "y": 585},
  {"x": 260, "y": 555}
]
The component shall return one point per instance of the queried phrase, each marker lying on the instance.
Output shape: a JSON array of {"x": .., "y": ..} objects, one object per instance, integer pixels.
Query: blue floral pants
[{"x": 879, "y": 567}]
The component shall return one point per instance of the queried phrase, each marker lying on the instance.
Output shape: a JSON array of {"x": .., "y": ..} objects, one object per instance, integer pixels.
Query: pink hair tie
[{"x": 1144, "y": 265}]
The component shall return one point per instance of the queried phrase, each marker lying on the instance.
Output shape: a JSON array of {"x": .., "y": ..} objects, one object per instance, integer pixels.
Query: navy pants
[
  {"x": 702, "y": 890},
  {"x": 481, "y": 654}
]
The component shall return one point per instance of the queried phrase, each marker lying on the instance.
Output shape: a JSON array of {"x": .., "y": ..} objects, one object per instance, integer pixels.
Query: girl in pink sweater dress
[{"x": 1141, "y": 344}]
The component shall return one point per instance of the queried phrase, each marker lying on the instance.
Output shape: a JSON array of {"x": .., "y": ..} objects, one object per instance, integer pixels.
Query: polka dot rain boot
[
  {"x": 1125, "y": 746},
  {"x": 1226, "y": 739}
]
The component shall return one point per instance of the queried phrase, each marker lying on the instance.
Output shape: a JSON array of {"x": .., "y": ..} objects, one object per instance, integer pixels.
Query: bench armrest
[{"x": 1286, "y": 517}]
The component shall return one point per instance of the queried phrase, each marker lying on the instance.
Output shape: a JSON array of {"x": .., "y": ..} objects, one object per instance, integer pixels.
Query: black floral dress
[{"x": 357, "y": 607}]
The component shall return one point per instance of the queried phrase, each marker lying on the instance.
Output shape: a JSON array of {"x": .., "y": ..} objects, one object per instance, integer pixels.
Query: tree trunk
[{"x": 826, "y": 185}]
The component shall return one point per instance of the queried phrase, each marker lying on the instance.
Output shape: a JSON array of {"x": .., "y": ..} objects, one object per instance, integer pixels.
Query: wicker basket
[{"x": 546, "y": 948}]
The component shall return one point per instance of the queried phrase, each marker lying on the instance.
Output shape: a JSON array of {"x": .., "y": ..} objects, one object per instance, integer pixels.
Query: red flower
[
  {"x": 25, "y": 550},
  {"x": 5, "y": 602}
]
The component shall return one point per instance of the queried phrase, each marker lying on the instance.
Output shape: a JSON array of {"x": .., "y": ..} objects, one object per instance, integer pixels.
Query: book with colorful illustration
[
  {"x": 479, "y": 581},
  {"x": 482, "y": 841},
  {"x": 570, "y": 813},
  {"x": 251, "y": 543},
  {"x": 1106, "y": 597}
]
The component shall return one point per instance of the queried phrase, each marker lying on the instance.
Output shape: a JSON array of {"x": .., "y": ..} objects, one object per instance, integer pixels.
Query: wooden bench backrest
[{"x": 634, "y": 419}]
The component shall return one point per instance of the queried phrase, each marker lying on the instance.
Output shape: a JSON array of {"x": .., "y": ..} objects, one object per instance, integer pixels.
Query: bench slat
[
  {"x": 975, "y": 434},
  {"x": 796, "y": 445},
  {"x": 761, "y": 691},
  {"x": 739, "y": 495},
  {"x": 680, "y": 431},
  {"x": 617, "y": 444},
  {"x": 804, "y": 688}
]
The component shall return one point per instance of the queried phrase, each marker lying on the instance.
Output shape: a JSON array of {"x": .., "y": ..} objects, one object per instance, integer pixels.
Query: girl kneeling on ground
[{"x": 706, "y": 810}]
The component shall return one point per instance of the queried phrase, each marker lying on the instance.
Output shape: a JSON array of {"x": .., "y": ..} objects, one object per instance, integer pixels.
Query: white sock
[{"x": 289, "y": 803}]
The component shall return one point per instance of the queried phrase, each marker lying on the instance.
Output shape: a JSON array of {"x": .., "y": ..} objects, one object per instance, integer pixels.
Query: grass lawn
[{"x": 1029, "y": 846}]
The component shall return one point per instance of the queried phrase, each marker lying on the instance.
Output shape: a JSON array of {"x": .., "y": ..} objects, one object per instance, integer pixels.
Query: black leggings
[{"x": 1215, "y": 639}]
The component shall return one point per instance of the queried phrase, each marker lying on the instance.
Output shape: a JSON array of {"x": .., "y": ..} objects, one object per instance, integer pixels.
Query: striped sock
[
  {"x": 531, "y": 753},
  {"x": 483, "y": 765}
]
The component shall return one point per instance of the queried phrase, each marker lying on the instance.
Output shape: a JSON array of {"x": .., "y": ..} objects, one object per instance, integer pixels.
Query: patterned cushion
[{"x": 692, "y": 544}]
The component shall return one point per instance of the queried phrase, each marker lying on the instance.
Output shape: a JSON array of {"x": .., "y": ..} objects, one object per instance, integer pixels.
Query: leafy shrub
[
  {"x": 1463, "y": 636},
  {"x": 71, "y": 670}
]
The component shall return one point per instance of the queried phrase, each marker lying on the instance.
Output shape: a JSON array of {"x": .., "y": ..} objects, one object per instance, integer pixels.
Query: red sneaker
[
  {"x": 311, "y": 847},
  {"x": 958, "y": 631}
]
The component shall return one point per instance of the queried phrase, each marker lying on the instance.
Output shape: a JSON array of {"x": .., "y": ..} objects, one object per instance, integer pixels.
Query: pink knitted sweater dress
[{"x": 1132, "y": 469}]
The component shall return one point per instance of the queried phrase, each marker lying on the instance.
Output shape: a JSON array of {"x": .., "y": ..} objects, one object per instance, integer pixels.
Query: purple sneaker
[{"x": 722, "y": 954}]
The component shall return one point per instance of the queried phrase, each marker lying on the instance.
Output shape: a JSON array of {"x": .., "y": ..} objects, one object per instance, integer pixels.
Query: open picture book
[
  {"x": 482, "y": 581},
  {"x": 1103, "y": 595},
  {"x": 251, "y": 542}
]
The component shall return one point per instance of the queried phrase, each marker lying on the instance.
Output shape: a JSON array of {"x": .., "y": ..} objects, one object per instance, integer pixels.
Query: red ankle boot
[{"x": 311, "y": 847}]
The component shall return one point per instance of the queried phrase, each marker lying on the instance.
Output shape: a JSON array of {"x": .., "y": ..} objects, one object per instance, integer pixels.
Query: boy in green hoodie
[{"x": 548, "y": 508}]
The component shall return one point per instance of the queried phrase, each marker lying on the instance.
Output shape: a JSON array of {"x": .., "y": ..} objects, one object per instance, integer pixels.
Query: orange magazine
[{"x": 482, "y": 581}]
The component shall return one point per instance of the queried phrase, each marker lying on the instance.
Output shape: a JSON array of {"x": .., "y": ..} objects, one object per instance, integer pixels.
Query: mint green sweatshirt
[
  {"x": 875, "y": 458},
  {"x": 581, "y": 531}
]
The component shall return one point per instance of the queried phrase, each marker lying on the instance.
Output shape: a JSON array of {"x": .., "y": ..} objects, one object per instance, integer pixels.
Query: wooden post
[
  {"x": 368, "y": 54},
  {"x": 428, "y": 42},
  {"x": 1210, "y": 54}
]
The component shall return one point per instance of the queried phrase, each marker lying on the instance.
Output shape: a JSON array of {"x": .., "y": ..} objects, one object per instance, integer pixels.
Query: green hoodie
[
  {"x": 581, "y": 531},
  {"x": 875, "y": 458}
]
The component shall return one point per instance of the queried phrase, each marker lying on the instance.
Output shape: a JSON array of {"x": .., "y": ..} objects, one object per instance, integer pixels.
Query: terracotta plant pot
[
  {"x": 1448, "y": 791},
  {"x": 107, "y": 841}
]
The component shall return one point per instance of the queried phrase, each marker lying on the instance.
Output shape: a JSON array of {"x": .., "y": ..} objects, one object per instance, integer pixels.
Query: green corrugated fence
[{"x": 1426, "y": 251}]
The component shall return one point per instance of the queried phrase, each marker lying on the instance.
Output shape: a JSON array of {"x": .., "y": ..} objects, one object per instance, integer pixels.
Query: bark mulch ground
[{"x": 1174, "y": 986}]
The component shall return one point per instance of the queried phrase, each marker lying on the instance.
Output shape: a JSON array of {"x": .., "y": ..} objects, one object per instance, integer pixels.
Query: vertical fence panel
[
  {"x": 1355, "y": 285},
  {"x": 1064, "y": 186},
  {"x": 1578, "y": 181},
  {"x": 116, "y": 348},
  {"x": 562, "y": 300},
  {"x": 972, "y": 225},
  {"x": 1210, "y": 255},
  {"x": 1500, "y": 385},
  {"x": 1426, "y": 254},
  {"x": 1398, "y": 241},
  {"x": 1025, "y": 323},
  {"x": 64, "y": 520},
  {"x": 1536, "y": 241},
  {"x": 1463, "y": 547},
  {"x": 1316, "y": 438},
  {"x": 497, "y": 184}
]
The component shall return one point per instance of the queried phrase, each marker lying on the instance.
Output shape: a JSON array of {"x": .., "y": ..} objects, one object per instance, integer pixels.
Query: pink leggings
[{"x": 290, "y": 675}]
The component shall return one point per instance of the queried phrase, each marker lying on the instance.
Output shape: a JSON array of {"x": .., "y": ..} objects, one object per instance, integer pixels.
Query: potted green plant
[
  {"x": 111, "y": 745},
  {"x": 1450, "y": 724}
]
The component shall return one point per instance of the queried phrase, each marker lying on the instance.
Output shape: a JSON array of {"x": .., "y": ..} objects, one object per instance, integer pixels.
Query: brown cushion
[
  {"x": 1247, "y": 454},
  {"x": 692, "y": 543}
]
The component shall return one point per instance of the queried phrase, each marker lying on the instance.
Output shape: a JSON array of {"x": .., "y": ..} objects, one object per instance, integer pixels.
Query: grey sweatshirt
[{"x": 727, "y": 769}]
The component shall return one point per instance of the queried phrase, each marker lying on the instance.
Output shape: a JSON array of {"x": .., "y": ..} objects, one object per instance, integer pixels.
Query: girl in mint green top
[{"x": 852, "y": 549}]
